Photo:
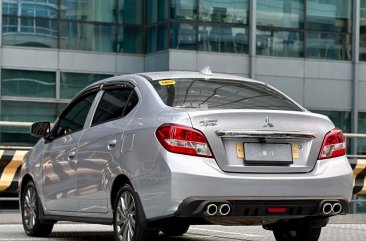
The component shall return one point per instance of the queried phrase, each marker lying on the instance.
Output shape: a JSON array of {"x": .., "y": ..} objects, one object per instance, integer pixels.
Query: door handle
[
  {"x": 71, "y": 155},
  {"x": 111, "y": 144}
]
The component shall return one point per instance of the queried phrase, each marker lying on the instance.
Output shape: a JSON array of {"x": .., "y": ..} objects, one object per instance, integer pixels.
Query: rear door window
[
  {"x": 114, "y": 104},
  {"x": 221, "y": 94}
]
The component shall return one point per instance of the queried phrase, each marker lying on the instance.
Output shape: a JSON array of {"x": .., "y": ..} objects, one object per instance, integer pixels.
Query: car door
[
  {"x": 59, "y": 161},
  {"x": 100, "y": 144}
]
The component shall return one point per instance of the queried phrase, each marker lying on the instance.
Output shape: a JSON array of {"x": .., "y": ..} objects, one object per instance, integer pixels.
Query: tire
[
  {"x": 31, "y": 210},
  {"x": 127, "y": 213},
  {"x": 176, "y": 229},
  {"x": 301, "y": 234}
]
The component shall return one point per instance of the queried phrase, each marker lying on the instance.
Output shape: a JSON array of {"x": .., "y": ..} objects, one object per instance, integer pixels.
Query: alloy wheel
[
  {"x": 30, "y": 207},
  {"x": 126, "y": 216}
]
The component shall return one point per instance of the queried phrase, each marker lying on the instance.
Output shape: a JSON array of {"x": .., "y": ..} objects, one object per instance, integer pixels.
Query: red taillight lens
[
  {"x": 183, "y": 140},
  {"x": 333, "y": 145}
]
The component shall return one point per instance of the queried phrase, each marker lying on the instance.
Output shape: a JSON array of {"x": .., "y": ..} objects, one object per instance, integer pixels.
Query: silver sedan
[{"x": 160, "y": 151}]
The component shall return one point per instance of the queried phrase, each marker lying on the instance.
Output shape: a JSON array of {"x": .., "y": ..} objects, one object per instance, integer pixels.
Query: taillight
[
  {"x": 183, "y": 140},
  {"x": 333, "y": 145}
]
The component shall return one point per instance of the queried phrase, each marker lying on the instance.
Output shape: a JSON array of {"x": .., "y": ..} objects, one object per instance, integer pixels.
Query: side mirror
[{"x": 41, "y": 129}]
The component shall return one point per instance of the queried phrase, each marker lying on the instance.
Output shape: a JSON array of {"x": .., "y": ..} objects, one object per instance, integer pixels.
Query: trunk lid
[{"x": 283, "y": 134}]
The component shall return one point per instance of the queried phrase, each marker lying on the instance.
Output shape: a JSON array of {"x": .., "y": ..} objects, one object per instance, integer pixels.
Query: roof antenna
[{"x": 206, "y": 71}]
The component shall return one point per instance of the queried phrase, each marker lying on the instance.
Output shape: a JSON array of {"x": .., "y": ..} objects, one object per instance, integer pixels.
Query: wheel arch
[
  {"x": 26, "y": 178},
  {"x": 118, "y": 182}
]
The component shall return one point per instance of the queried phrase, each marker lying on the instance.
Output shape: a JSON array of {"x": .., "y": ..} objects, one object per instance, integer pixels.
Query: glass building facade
[{"x": 293, "y": 29}]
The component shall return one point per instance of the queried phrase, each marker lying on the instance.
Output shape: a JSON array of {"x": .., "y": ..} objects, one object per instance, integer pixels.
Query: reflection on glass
[
  {"x": 363, "y": 30},
  {"x": 31, "y": 32},
  {"x": 131, "y": 11},
  {"x": 280, "y": 13},
  {"x": 329, "y": 15},
  {"x": 89, "y": 37},
  {"x": 86, "y": 10},
  {"x": 25, "y": 112},
  {"x": 184, "y": 9},
  {"x": 280, "y": 43},
  {"x": 230, "y": 11},
  {"x": 130, "y": 40},
  {"x": 219, "y": 38},
  {"x": 152, "y": 39},
  {"x": 72, "y": 83},
  {"x": 26, "y": 83},
  {"x": 157, "y": 10},
  {"x": 362, "y": 130},
  {"x": 328, "y": 46},
  {"x": 30, "y": 8},
  {"x": 183, "y": 36},
  {"x": 163, "y": 36}
]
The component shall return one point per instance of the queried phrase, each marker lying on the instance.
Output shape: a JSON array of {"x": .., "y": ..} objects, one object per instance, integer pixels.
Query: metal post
[
  {"x": 355, "y": 78},
  {"x": 252, "y": 37}
]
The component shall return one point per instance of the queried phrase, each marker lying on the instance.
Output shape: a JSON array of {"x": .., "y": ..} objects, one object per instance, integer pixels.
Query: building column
[
  {"x": 355, "y": 70},
  {"x": 252, "y": 37}
]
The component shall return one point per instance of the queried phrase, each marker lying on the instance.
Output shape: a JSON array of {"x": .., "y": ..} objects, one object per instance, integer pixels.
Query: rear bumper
[
  {"x": 254, "y": 208},
  {"x": 163, "y": 193}
]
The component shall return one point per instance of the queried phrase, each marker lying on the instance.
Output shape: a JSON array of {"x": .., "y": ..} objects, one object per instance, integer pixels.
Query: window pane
[
  {"x": 111, "y": 105},
  {"x": 90, "y": 37},
  {"x": 26, "y": 83},
  {"x": 130, "y": 40},
  {"x": 230, "y": 11},
  {"x": 24, "y": 112},
  {"x": 219, "y": 38},
  {"x": 221, "y": 94},
  {"x": 328, "y": 46},
  {"x": 157, "y": 10},
  {"x": 86, "y": 10},
  {"x": 184, "y": 9},
  {"x": 363, "y": 30},
  {"x": 152, "y": 40},
  {"x": 163, "y": 36},
  {"x": 74, "y": 117},
  {"x": 280, "y": 43},
  {"x": 131, "y": 11},
  {"x": 29, "y": 32},
  {"x": 280, "y": 13},
  {"x": 329, "y": 15},
  {"x": 72, "y": 83},
  {"x": 362, "y": 130},
  {"x": 183, "y": 36},
  {"x": 31, "y": 8}
]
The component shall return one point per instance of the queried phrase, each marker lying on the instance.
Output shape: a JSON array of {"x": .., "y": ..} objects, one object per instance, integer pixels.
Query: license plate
[{"x": 268, "y": 153}]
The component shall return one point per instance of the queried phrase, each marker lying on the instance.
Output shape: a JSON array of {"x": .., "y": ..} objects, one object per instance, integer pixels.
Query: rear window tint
[{"x": 220, "y": 94}]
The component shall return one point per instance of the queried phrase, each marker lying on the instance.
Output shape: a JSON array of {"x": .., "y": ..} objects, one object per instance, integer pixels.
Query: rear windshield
[{"x": 220, "y": 94}]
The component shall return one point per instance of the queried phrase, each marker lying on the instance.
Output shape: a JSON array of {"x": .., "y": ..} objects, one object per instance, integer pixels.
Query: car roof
[{"x": 191, "y": 74}]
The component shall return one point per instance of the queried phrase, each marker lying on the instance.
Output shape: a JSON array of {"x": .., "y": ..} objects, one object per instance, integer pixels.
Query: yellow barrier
[{"x": 10, "y": 163}]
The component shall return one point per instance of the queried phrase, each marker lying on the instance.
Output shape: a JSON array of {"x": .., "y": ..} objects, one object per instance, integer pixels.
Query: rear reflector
[
  {"x": 183, "y": 140},
  {"x": 333, "y": 145},
  {"x": 277, "y": 210}
]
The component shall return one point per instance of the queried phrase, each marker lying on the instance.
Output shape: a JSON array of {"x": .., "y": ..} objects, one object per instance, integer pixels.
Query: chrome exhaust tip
[
  {"x": 337, "y": 208},
  {"x": 224, "y": 209},
  {"x": 327, "y": 208},
  {"x": 211, "y": 209}
]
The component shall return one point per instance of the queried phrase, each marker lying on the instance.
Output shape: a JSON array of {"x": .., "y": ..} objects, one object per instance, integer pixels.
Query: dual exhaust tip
[
  {"x": 331, "y": 208},
  {"x": 222, "y": 209}
]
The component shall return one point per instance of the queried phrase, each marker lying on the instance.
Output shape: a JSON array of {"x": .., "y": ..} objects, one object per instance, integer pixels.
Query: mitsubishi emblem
[{"x": 268, "y": 122}]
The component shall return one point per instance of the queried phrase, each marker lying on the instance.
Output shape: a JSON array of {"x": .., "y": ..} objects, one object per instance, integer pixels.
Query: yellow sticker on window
[
  {"x": 167, "y": 82},
  {"x": 295, "y": 151},
  {"x": 240, "y": 150}
]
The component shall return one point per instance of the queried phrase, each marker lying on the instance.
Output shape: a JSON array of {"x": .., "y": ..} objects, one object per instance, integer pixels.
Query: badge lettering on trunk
[
  {"x": 268, "y": 122},
  {"x": 207, "y": 122}
]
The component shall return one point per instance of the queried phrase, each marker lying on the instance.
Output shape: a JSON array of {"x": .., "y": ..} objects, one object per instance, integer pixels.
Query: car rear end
[{"x": 251, "y": 155}]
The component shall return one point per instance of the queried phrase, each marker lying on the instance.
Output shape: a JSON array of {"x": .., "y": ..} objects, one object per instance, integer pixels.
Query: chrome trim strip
[{"x": 266, "y": 134}]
